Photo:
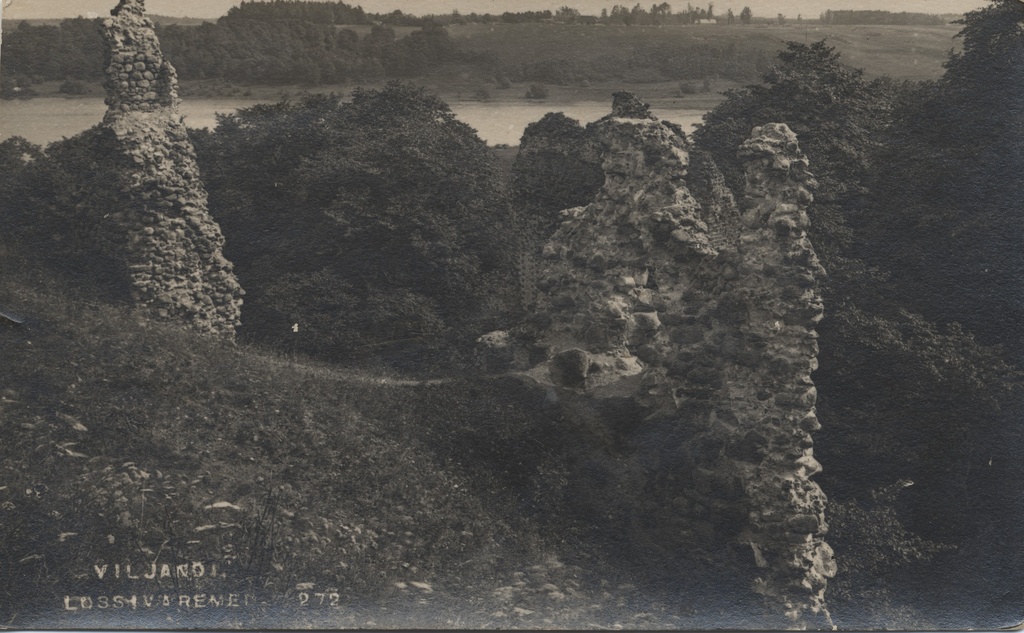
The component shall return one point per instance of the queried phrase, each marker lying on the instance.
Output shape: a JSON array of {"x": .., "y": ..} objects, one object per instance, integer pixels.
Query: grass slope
[
  {"x": 416, "y": 504},
  {"x": 902, "y": 52}
]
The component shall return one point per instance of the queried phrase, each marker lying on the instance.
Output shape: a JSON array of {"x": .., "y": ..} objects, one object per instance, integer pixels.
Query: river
[{"x": 46, "y": 119}]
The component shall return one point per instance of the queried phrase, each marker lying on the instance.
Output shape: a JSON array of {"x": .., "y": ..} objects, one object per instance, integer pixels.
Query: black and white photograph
[{"x": 511, "y": 314}]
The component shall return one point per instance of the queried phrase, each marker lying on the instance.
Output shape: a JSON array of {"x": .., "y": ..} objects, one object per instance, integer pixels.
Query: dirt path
[{"x": 363, "y": 377}]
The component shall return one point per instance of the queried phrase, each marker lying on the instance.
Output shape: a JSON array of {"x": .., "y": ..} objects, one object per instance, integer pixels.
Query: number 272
[{"x": 319, "y": 599}]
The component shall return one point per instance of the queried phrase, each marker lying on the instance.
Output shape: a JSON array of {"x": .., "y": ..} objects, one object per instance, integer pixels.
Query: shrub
[
  {"x": 538, "y": 91},
  {"x": 74, "y": 87},
  {"x": 16, "y": 89},
  {"x": 872, "y": 545},
  {"x": 687, "y": 88}
]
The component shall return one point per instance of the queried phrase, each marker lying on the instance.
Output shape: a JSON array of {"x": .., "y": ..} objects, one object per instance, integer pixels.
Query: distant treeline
[
  {"x": 320, "y": 12},
  {"x": 256, "y": 51},
  {"x": 340, "y": 13},
  {"x": 74, "y": 48},
  {"x": 295, "y": 50},
  {"x": 657, "y": 14},
  {"x": 882, "y": 17}
]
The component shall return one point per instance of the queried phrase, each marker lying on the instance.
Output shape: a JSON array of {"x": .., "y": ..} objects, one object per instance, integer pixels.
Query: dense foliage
[
  {"x": 74, "y": 48},
  {"x": 904, "y": 388},
  {"x": 319, "y": 12},
  {"x": 263, "y": 47},
  {"x": 376, "y": 227},
  {"x": 558, "y": 167},
  {"x": 270, "y": 51},
  {"x": 294, "y": 51},
  {"x": 952, "y": 177},
  {"x": 955, "y": 176},
  {"x": 41, "y": 198},
  {"x": 380, "y": 222}
]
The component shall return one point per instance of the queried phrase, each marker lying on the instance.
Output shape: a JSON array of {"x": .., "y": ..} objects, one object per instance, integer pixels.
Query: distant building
[
  {"x": 706, "y": 21},
  {"x": 91, "y": 15}
]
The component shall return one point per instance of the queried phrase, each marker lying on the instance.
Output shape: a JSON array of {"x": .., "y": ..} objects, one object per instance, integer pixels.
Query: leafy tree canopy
[
  {"x": 900, "y": 393},
  {"x": 952, "y": 176},
  {"x": 368, "y": 223}
]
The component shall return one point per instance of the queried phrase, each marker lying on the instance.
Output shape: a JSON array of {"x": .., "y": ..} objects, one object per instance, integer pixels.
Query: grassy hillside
[
  {"x": 903, "y": 52},
  {"x": 417, "y": 504}
]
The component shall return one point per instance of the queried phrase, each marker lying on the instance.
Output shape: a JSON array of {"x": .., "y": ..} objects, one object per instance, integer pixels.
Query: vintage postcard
[{"x": 511, "y": 314}]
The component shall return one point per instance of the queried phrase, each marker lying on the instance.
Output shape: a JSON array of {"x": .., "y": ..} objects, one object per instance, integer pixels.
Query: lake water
[{"x": 44, "y": 120}]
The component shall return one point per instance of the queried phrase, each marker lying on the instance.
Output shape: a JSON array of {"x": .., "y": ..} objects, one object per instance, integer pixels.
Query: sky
[{"x": 214, "y": 8}]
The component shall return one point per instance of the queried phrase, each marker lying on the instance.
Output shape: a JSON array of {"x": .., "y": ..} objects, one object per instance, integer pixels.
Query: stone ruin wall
[
  {"x": 703, "y": 313},
  {"x": 161, "y": 232}
]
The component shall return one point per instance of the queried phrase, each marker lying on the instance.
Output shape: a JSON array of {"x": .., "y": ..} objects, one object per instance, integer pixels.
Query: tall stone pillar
[
  {"x": 778, "y": 284},
  {"x": 172, "y": 249}
]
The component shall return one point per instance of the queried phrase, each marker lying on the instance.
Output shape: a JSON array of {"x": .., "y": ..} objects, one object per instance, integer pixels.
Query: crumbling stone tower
[
  {"x": 702, "y": 313},
  {"x": 173, "y": 249}
]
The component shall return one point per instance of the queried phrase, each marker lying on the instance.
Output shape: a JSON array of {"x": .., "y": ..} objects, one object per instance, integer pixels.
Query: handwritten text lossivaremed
[
  {"x": 157, "y": 572},
  {"x": 156, "y": 601}
]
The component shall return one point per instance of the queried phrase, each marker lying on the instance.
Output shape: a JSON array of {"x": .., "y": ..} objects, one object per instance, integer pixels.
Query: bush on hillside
[
  {"x": 74, "y": 87},
  {"x": 687, "y": 88},
  {"x": 16, "y": 89},
  {"x": 538, "y": 91}
]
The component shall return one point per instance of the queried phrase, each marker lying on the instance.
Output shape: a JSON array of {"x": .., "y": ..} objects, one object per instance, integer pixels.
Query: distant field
[{"x": 903, "y": 52}]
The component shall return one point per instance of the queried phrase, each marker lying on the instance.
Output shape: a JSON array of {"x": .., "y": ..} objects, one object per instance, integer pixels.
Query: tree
[
  {"x": 567, "y": 14},
  {"x": 17, "y": 156},
  {"x": 956, "y": 177},
  {"x": 377, "y": 225},
  {"x": 558, "y": 167},
  {"x": 903, "y": 394},
  {"x": 746, "y": 15},
  {"x": 42, "y": 201},
  {"x": 949, "y": 219},
  {"x": 830, "y": 107}
]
